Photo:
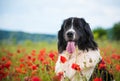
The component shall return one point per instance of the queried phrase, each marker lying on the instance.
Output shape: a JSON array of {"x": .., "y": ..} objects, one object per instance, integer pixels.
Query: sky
[{"x": 46, "y": 16}]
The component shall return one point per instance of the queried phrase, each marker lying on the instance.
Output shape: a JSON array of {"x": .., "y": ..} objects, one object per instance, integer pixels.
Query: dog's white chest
[{"x": 86, "y": 61}]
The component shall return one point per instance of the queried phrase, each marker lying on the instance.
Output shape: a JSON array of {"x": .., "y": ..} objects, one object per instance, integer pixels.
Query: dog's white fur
[{"x": 87, "y": 60}]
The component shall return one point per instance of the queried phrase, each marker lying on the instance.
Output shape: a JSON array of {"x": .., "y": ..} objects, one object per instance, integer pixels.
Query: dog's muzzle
[{"x": 70, "y": 36}]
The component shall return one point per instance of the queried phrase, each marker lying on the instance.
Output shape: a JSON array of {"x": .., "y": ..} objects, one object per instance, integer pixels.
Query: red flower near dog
[
  {"x": 63, "y": 59},
  {"x": 35, "y": 78},
  {"x": 118, "y": 67},
  {"x": 58, "y": 76},
  {"x": 102, "y": 65},
  {"x": 75, "y": 67},
  {"x": 97, "y": 79}
]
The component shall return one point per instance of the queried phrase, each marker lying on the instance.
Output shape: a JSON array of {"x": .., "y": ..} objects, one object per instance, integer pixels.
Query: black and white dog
[{"x": 79, "y": 55}]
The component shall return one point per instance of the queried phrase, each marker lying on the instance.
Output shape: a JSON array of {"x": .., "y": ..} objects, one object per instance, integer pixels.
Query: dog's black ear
[
  {"x": 87, "y": 29},
  {"x": 61, "y": 40},
  {"x": 88, "y": 40}
]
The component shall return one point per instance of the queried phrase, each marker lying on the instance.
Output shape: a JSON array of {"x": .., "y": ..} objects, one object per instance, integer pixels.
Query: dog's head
[{"x": 76, "y": 30}]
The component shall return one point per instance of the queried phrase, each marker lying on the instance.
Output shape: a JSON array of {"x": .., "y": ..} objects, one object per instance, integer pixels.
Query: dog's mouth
[{"x": 70, "y": 47}]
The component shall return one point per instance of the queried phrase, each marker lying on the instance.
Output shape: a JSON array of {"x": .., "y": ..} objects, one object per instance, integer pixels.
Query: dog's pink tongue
[{"x": 70, "y": 47}]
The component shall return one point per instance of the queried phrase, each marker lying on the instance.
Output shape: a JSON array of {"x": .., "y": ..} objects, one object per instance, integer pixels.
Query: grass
[{"x": 29, "y": 61}]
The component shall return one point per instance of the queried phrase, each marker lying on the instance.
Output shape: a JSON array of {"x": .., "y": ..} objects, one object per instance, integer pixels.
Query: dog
[{"x": 79, "y": 56}]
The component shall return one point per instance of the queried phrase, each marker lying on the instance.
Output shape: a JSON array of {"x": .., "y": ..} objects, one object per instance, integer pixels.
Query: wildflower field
[{"x": 36, "y": 61}]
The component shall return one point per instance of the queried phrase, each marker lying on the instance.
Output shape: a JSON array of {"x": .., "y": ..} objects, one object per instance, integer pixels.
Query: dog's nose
[{"x": 70, "y": 34}]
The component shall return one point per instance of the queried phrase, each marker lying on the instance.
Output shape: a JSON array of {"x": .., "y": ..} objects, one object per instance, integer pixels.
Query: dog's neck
[{"x": 75, "y": 54}]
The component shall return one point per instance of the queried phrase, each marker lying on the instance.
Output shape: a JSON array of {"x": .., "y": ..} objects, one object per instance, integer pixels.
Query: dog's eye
[
  {"x": 67, "y": 27},
  {"x": 76, "y": 26}
]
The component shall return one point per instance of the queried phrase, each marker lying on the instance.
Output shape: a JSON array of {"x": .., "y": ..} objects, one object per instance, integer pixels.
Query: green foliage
[
  {"x": 116, "y": 31},
  {"x": 111, "y": 33},
  {"x": 100, "y": 33},
  {"x": 18, "y": 37}
]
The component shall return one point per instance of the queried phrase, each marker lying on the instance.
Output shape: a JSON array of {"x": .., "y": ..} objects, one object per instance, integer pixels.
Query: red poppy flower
[
  {"x": 58, "y": 77},
  {"x": 22, "y": 59},
  {"x": 63, "y": 59},
  {"x": 33, "y": 54},
  {"x": 116, "y": 56},
  {"x": 42, "y": 52},
  {"x": 22, "y": 65},
  {"x": 3, "y": 58},
  {"x": 3, "y": 74},
  {"x": 29, "y": 63},
  {"x": 1, "y": 66},
  {"x": 97, "y": 79},
  {"x": 19, "y": 70},
  {"x": 33, "y": 67},
  {"x": 102, "y": 65},
  {"x": 118, "y": 67},
  {"x": 33, "y": 59},
  {"x": 35, "y": 78},
  {"x": 51, "y": 55},
  {"x": 8, "y": 64},
  {"x": 75, "y": 67},
  {"x": 41, "y": 58},
  {"x": 60, "y": 74},
  {"x": 29, "y": 57}
]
